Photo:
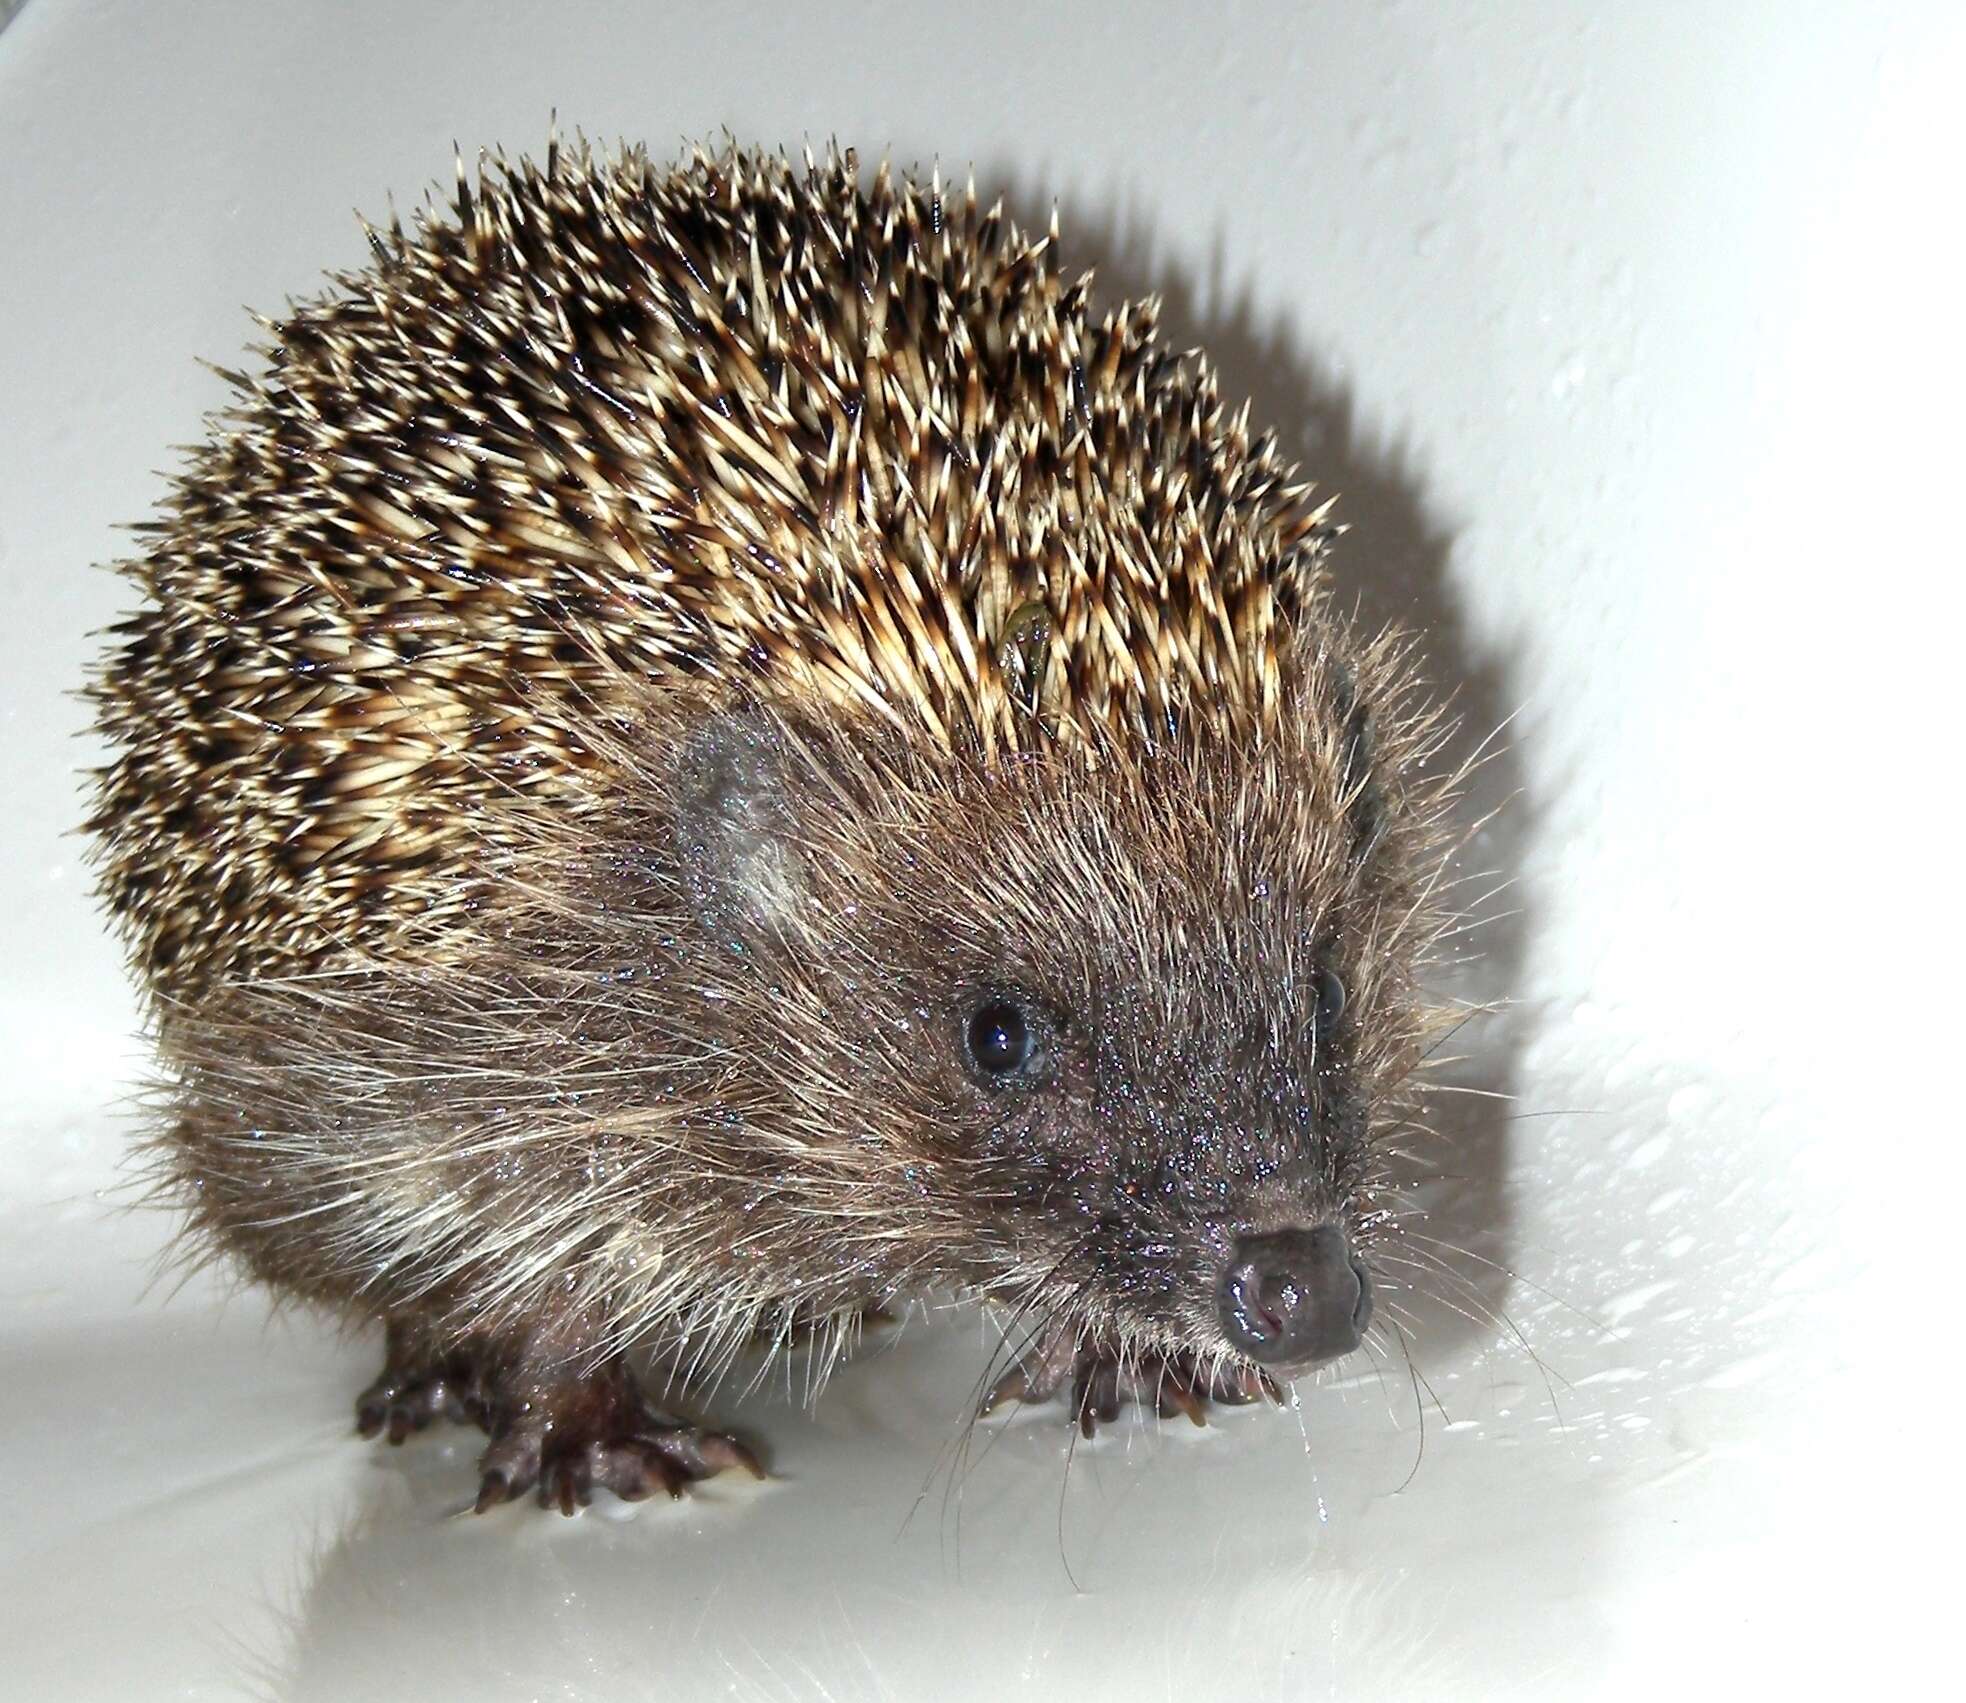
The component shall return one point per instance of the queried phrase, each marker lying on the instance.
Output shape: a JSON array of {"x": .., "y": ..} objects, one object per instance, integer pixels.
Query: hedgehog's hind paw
[
  {"x": 1102, "y": 1381},
  {"x": 661, "y": 1457},
  {"x": 418, "y": 1385},
  {"x": 597, "y": 1433}
]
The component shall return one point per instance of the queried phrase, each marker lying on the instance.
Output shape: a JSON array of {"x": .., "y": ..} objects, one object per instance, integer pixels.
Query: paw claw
[
  {"x": 1177, "y": 1397},
  {"x": 1013, "y": 1386},
  {"x": 1096, "y": 1394},
  {"x": 564, "y": 1485},
  {"x": 493, "y": 1488},
  {"x": 717, "y": 1453}
]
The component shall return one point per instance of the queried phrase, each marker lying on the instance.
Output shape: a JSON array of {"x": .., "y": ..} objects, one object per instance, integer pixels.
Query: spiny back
[{"x": 601, "y": 427}]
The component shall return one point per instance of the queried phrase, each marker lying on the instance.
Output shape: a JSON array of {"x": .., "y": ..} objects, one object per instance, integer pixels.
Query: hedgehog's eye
[
  {"x": 1330, "y": 995},
  {"x": 1000, "y": 1041}
]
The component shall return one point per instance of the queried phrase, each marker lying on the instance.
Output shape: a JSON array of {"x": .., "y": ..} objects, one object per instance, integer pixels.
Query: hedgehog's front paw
[
  {"x": 568, "y": 1439},
  {"x": 1102, "y": 1379}
]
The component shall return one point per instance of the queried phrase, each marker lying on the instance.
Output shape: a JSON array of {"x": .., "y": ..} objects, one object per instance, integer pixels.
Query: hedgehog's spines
[{"x": 739, "y": 418}]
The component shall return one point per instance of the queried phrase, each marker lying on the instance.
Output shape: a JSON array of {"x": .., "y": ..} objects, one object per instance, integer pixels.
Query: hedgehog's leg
[
  {"x": 1102, "y": 1380},
  {"x": 568, "y": 1432},
  {"x": 422, "y": 1380}
]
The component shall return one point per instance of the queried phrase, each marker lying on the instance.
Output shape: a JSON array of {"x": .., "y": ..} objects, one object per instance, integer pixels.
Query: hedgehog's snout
[{"x": 1293, "y": 1298}]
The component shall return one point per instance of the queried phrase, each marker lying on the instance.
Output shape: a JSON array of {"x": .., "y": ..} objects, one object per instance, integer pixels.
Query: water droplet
[{"x": 1649, "y": 1153}]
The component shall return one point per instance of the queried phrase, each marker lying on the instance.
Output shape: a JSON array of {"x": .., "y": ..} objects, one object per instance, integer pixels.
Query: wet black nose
[{"x": 1295, "y": 1297}]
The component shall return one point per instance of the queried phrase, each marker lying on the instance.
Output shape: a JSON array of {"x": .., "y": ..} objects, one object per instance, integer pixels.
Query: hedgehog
[{"x": 707, "y": 751}]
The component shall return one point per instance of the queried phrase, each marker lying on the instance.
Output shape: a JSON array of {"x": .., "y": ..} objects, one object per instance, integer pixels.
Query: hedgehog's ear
[
  {"x": 1366, "y": 806},
  {"x": 736, "y": 824}
]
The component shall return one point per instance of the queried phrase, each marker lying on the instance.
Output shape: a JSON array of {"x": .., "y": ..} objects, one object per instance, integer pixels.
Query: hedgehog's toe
[{"x": 663, "y": 1457}]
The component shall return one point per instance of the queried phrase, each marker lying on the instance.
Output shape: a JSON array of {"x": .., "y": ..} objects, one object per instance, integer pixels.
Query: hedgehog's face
[
  {"x": 1151, "y": 1038},
  {"x": 1132, "y": 1027},
  {"x": 1192, "y": 1179}
]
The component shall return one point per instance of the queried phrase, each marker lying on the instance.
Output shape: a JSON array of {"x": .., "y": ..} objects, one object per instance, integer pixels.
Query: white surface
[{"x": 1631, "y": 336}]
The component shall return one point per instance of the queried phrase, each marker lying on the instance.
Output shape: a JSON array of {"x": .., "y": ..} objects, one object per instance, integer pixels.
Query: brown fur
[{"x": 636, "y": 661}]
